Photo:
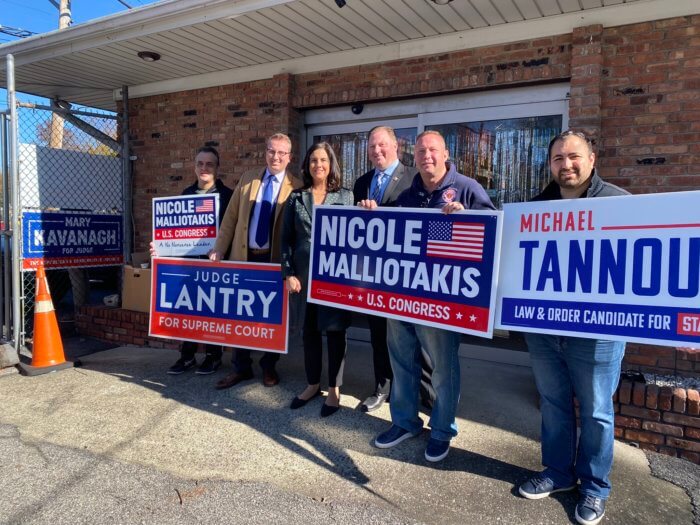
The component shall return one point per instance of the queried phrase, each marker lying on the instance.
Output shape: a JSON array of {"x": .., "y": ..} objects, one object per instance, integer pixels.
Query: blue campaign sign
[
  {"x": 623, "y": 268},
  {"x": 71, "y": 239},
  {"x": 418, "y": 265},
  {"x": 185, "y": 225},
  {"x": 234, "y": 304}
]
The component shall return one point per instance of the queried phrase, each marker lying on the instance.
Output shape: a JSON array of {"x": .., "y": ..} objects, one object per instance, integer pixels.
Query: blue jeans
[
  {"x": 589, "y": 369},
  {"x": 405, "y": 341}
]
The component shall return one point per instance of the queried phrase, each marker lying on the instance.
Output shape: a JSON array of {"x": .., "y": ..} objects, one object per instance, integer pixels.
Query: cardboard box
[{"x": 136, "y": 287}]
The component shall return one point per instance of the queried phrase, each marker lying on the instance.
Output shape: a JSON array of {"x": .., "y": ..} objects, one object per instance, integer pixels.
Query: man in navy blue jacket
[{"x": 437, "y": 185}]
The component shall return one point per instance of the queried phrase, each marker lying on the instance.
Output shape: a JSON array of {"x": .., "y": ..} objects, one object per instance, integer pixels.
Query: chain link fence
[{"x": 68, "y": 162}]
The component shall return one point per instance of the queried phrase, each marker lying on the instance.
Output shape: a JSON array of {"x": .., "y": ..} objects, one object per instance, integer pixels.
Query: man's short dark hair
[
  {"x": 570, "y": 133},
  {"x": 209, "y": 149}
]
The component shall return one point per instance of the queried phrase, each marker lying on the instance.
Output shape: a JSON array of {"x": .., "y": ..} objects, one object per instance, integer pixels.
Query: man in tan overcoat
[{"x": 250, "y": 231}]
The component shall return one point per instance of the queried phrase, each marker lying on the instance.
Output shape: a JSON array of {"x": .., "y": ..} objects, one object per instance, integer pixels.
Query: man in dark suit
[{"x": 382, "y": 184}]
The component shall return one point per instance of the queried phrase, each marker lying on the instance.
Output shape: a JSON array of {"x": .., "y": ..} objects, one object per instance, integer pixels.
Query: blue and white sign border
[
  {"x": 352, "y": 295},
  {"x": 646, "y": 222}
]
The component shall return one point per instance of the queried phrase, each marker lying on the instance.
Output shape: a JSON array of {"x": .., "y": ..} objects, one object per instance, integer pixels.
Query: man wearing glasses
[{"x": 250, "y": 231}]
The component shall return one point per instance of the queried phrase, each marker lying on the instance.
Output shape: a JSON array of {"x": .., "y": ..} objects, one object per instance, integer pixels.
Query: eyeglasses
[{"x": 281, "y": 154}]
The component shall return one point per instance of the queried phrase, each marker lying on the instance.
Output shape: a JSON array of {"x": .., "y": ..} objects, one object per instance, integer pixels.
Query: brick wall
[
  {"x": 518, "y": 63},
  {"x": 662, "y": 360},
  {"x": 661, "y": 419},
  {"x": 634, "y": 88},
  {"x": 166, "y": 130},
  {"x": 586, "y": 89},
  {"x": 121, "y": 327},
  {"x": 650, "y": 109}
]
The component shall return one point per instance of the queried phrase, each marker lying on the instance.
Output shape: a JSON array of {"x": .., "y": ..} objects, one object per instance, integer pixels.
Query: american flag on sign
[
  {"x": 206, "y": 206},
  {"x": 455, "y": 240}
]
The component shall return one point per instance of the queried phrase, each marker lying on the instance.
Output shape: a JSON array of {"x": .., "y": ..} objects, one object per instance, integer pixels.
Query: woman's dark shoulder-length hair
[{"x": 335, "y": 177}]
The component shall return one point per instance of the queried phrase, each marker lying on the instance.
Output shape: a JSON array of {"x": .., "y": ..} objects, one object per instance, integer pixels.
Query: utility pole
[
  {"x": 64, "y": 21},
  {"x": 78, "y": 277}
]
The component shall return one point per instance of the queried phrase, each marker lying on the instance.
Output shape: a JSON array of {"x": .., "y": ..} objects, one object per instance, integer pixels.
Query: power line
[
  {"x": 23, "y": 6},
  {"x": 16, "y": 31}
]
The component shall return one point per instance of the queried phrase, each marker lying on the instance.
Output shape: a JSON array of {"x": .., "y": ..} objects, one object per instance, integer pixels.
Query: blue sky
[{"x": 40, "y": 16}]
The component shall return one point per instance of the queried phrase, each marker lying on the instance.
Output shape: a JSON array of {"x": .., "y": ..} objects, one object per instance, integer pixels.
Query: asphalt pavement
[{"x": 120, "y": 441}]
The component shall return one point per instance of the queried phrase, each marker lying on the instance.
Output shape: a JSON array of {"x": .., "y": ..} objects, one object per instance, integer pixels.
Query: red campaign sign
[
  {"x": 185, "y": 233},
  {"x": 244, "y": 305},
  {"x": 688, "y": 324},
  {"x": 256, "y": 336}
]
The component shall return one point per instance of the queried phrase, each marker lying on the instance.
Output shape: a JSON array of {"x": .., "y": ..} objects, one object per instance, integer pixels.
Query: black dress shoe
[
  {"x": 328, "y": 410},
  {"x": 374, "y": 402},
  {"x": 297, "y": 402}
]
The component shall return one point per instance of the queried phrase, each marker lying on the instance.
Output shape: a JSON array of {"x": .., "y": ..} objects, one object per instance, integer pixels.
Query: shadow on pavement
[{"x": 303, "y": 433}]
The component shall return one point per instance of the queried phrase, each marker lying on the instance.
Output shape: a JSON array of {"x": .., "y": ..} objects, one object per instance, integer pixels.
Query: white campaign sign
[{"x": 622, "y": 268}]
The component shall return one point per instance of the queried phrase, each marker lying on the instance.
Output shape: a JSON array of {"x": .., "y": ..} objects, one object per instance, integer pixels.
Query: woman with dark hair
[{"x": 322, "y": 185}]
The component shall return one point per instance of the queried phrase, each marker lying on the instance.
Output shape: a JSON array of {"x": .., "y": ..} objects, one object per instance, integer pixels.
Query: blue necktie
[
  {"x": 378, "y": 185},
  {"x": 262, "y": 234}
]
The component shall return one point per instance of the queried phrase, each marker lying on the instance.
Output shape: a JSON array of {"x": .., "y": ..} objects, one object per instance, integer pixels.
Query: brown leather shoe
[
  {"x": 270, "y": 377},
  {"x": 233, "y": 379}
]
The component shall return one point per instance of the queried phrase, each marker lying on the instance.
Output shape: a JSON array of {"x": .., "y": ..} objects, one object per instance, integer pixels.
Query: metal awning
[{"x": 205, "y": 43}]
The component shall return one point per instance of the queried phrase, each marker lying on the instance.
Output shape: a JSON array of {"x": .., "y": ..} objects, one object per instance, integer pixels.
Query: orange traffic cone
[{"x": 47, "y": 349}]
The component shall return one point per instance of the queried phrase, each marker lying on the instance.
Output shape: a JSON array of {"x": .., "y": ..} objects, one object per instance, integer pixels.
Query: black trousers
[
  {"x": 380, "y": 354},
  {"x": 189, "y": 348},
  {"x": 244, "y": 363},
  {"x": 313, "y": 350}
]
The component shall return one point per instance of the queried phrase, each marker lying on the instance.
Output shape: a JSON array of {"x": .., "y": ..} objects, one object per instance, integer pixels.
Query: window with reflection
[{"x": 508, "y": 157}]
